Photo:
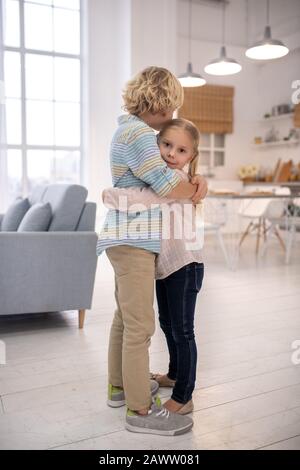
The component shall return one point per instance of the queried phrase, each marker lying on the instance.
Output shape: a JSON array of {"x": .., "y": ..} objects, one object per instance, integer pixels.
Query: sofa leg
[{"x": 81, "y": 315}]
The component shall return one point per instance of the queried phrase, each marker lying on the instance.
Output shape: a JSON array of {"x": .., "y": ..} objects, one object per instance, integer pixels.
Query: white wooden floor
[{"x": 53, "y": 387}]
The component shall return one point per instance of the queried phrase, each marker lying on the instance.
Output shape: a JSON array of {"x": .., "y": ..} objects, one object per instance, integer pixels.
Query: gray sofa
[{"x": 52, "y": 270}]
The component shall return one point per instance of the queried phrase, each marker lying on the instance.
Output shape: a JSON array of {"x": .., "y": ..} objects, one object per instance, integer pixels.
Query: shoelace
[{"x": 164, "y": 413}]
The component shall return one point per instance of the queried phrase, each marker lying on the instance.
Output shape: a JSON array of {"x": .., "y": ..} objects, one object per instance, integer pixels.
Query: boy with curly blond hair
[{"x": 132, "y": 241}]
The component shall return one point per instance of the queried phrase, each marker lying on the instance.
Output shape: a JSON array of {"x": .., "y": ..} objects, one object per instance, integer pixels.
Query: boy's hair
[
  {"x": 155, "y": 89},
  {"x": 189, "y": 127}
]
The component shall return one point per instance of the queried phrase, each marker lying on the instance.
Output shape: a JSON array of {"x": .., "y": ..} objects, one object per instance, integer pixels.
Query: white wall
[
  {"x": 154, "y": 34},
  {"x": 258, "y": 87},
  {"x": 238, "y": 151},
  {"x": 273, "y": 87},
  {"x": 109, "y": 53},
  {"x": 125, "y": 36}
]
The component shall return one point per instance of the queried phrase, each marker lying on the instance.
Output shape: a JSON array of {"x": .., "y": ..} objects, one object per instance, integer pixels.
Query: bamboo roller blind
[
  {"x": 209, "y": 107},
  {"x": 297, "y": 116}
]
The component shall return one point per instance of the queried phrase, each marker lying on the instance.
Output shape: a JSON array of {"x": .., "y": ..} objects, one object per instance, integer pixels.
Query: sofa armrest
[
  {"x": 46, "y": 271},
  {"x": 1, "y": 217}
]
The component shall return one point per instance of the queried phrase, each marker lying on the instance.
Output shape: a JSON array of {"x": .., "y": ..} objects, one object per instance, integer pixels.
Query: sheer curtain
[{"x": 3, "y": 153}]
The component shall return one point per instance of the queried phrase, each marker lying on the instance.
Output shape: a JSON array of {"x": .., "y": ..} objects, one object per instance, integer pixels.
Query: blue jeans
[{"x": 176, "y": 298}]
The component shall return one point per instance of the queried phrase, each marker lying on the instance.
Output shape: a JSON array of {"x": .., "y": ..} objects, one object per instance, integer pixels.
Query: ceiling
[{"x": 244, "y": 21}]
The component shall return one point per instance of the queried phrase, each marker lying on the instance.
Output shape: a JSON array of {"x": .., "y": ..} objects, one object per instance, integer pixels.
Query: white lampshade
[
  {"x": 267, "y": 48},
  {"x": 191, "y": 79},
  {"x": 223, "y": 65}
]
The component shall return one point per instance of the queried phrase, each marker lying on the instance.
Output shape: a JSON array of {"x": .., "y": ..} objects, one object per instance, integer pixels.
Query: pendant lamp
[
  {"x": 268, "y": 48},
  {"x": 191, "y": 79},
  {"x": 223, "y": 65}
]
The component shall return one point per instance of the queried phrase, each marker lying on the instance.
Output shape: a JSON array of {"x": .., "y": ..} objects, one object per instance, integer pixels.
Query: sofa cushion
[
  {"x": 37, "y": 218},
  {"x": 67, "y": 202},
  {"x": 37, "y": 194},
  {"x": 14, "y": 215}
]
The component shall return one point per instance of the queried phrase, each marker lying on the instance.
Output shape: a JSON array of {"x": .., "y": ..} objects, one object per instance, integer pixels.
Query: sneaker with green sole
[
  {"x": 116, "y": 395},
  {"x": 158, "y": 421}
]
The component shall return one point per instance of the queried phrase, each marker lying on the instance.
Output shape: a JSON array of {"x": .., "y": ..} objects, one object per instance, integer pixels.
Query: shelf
[
  {"x": 279, "y": 143},
  {"x": 276, "y": 118},
  {"x": 291, "y": 184}
]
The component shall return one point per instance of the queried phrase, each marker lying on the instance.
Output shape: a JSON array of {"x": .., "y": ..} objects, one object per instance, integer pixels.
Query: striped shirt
[{"x": 136, "y": 161}]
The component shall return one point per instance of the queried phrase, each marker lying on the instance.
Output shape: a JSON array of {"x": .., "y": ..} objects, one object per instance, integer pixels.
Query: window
[
  {"x": 212, "y": 150},
  {"x": 42, "y": 75}
]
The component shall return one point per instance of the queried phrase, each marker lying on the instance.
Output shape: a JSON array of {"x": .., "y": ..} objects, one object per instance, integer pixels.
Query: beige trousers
[{"x": 133, "y": 323}]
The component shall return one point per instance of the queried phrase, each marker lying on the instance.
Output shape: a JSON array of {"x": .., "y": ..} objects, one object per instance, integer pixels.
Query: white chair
[
  {"x": 215, "y": 217},
  {"x": 276, "y": 216},
  {"x": 216, "y": 229},
  {"x": 254, "y": 210}
]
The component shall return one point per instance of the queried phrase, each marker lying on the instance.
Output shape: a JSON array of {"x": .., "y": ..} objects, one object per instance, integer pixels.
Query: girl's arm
[
  {"x": 132, "y": 199},
  {"x": 183, "y": 189}
]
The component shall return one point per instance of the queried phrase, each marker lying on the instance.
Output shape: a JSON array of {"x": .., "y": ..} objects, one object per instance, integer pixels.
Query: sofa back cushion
[
  {"x": 88, "y": 218},
  {"x": 37, "y": 194},
  {"x": 14, "y": 215},
  {"x": 37, "y": 218},
  {"x": 67, "y": 202}
]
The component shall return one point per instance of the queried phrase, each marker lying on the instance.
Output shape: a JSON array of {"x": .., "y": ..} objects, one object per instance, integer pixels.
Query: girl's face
[{"x": 176, "y": 147}]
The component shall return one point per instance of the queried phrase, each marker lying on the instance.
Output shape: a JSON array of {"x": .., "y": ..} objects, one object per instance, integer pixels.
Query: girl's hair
[
  {"x": 155, "y": 89},
  {"x": 189, "y": 127}
]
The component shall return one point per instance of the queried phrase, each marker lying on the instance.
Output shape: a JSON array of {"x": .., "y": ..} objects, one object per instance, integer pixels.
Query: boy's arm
[{"x": 146, "y": 164}]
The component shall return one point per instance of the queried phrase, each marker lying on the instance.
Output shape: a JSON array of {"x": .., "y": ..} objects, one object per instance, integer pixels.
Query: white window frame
[
  {"x": 211, "y": 148},
  {"x": 24, "y": 147}
]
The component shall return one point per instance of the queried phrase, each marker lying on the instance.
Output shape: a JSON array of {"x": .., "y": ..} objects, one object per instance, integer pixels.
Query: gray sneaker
[
  {"x": 158, "y": 421},
  {"x": 116, "y": 395}
]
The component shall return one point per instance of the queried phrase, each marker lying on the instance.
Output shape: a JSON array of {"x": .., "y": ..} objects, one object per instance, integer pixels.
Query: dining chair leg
[
  {"x": 280, "y": 239},
  {"x": 267, "y": 234},
  {"x": 291, "y": 234},
  {"x": 246, "y": 233},
  {"x": 222, "y": 245},
  {"x": 259, "y": 228},
  {"x": 265, "y": 230}
]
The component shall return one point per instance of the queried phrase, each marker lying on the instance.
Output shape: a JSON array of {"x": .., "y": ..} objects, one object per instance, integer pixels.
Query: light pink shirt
[{"x": 181, "y": 243}]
